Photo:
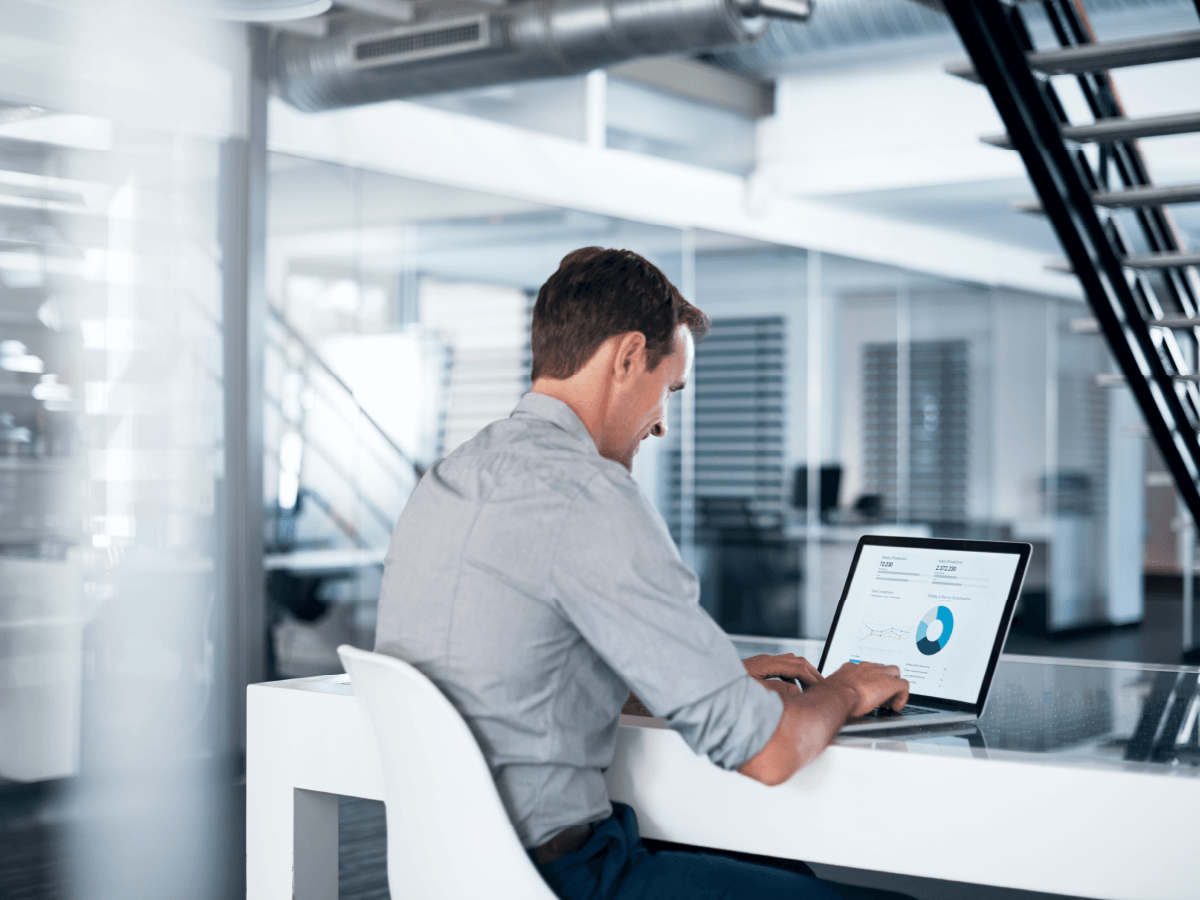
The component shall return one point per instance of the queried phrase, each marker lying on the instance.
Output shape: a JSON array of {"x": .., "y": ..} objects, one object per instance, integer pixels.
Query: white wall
[{"x": 1018, "y": 404}]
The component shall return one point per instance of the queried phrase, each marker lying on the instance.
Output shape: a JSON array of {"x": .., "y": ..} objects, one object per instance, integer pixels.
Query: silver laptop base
[{"x": 906, "y": 722}]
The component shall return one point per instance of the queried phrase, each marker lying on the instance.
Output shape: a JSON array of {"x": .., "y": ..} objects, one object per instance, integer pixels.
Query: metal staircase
[
  {"x": 348, "y": 491},
  {"x": 1094, "y": 187},
  {"x": 376, "y": 482}
]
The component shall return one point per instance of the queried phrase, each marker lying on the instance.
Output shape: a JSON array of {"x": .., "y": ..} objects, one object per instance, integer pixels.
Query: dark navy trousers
[{"x": 614, "y": 864}]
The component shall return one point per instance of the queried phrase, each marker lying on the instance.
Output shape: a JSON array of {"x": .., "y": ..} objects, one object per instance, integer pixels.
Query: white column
[
  {"x": 810, "y": 612},
  {"x": 595, "y": 124},
  {"x": 903, "y": 390}
]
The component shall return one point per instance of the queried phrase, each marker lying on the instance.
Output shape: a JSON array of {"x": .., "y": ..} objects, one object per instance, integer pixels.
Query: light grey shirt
[{"x": 534, "y": 584}]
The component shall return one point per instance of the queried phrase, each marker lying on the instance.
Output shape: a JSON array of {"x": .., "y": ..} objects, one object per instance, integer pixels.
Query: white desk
[
  {"x": 324, "y": 560},
  {"x": 1086, "y": 815}
]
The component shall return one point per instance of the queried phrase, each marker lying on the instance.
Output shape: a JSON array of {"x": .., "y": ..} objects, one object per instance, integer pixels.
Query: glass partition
[
  {"x": 833, "y": 398},
  {"x": 117, "y": 647},
  {"x": 398, "y": 328}
]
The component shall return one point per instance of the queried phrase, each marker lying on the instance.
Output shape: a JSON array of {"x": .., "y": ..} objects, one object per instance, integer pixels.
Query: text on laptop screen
[{"x": 934, "y": 613}]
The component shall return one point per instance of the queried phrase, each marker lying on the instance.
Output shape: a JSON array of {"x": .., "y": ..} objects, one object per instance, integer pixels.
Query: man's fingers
[
  {"x": 805, "y": 671},
  {"x": 780, "y": 687},
  {"x": 876, "y": 685},
  {"x": 785, "y": 665},
  {"x": 811, "y": 674}
]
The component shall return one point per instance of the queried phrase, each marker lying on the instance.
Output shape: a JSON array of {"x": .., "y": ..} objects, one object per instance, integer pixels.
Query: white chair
[{"x": 448, "y": 835}]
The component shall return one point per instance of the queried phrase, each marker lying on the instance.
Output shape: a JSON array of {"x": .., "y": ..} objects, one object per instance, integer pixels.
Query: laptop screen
[{"x": 934, "y": 612}]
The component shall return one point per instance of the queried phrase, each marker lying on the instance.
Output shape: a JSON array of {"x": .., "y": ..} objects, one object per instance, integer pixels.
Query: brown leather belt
[{"x": 566, "y": 841}]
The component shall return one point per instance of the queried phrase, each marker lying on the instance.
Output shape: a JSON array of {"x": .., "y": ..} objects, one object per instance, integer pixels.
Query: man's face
[{"x": 642, "y": 410}]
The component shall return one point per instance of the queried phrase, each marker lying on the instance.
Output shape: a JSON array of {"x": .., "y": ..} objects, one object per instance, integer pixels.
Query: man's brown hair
[{"x": 598, "y": 293}]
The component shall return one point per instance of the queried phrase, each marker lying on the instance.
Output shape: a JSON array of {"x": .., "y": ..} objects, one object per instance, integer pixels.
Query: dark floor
[
  {"x": 37, "y": 820},
  {"x": 362, "y": 850},
  {"x": 32, "y": 835},
  {"x": 148, "y": 846}
]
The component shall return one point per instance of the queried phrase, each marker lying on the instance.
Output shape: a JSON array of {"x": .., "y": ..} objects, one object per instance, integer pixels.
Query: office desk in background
[{"x": 1082, "y": 779}]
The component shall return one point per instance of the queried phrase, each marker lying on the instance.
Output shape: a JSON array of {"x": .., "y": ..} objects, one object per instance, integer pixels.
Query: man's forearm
[
  {"x": 809, "y": 723},
  {"x": 817, "y": 716},
  {"x": 812, "y": 719}
]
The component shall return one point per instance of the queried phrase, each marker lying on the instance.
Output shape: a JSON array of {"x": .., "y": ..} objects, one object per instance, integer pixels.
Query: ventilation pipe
[{"x": 362, "y": 61}]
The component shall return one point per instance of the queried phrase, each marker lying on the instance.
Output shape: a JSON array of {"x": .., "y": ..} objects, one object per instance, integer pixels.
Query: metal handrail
[
  {"x": 315, "y": 357},
  {"x": 333, "y": 464},
  {"x": 345, "y": 414}
]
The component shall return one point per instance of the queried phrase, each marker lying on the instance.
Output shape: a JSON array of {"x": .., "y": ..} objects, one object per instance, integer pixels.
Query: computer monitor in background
[{"x": 831, "y": 483}]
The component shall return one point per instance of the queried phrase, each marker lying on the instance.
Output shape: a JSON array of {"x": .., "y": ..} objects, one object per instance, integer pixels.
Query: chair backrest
[{"x": 448, "y": 835}]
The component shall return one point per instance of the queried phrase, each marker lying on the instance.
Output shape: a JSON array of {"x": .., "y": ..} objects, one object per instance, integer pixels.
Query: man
[{"x": 534, "y": 584}]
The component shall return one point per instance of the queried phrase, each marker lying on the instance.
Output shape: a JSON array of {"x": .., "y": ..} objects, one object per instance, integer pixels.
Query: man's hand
[
  {"x": 876, "y": 685},
  {"x": 787, "y": 665}
]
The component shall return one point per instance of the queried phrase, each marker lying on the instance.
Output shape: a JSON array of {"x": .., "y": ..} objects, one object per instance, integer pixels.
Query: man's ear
[{"x": 630, "y": 357}]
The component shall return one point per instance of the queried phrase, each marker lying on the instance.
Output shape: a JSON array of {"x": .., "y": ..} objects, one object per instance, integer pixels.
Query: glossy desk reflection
[{"x": 1081, "y": 779}]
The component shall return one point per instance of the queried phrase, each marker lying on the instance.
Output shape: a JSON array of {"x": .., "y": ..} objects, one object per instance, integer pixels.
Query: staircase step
[
  {"x": 1163, "y": 260},
  {"x": 1142, "y": 261},
  {"x": 1099, "y": 57},
  {"x": 1148, "y": 196},
  {"x": 1116, "y": 380},
  {"x": 1129, "y": 198},
  {"x": 1118, "y": 128}
]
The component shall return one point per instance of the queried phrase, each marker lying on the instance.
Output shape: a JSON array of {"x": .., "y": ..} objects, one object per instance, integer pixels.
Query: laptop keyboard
[{"x": 882, "y": 713}]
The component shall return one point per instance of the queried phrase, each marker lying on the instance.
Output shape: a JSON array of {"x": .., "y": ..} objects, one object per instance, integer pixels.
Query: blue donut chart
[{"x": 927, "y": 645}]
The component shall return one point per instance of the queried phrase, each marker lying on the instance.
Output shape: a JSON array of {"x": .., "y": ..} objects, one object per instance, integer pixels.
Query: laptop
[{"x": 940, "y": 610}]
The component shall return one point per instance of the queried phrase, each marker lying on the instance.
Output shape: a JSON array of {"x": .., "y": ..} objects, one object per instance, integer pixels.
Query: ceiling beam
[
  {"x": 696, "y": 80},
  {"x": 439, "y": 147}
]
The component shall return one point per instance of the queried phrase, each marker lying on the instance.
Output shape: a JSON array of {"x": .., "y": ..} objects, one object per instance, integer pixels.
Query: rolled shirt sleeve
[{"x": 642, "y": 616}]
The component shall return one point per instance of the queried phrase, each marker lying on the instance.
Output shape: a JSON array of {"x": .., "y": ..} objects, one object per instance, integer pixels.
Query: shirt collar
[{"x": 557, "y": 413}]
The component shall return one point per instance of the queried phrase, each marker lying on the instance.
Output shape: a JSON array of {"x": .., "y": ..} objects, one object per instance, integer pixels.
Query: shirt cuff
[{"x": 731, "y": 725}]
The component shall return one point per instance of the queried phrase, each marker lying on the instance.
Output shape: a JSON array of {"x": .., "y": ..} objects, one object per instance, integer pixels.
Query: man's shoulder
[
  {"x": 525, "y": 449},
  {"x": 609, "y": 508}
]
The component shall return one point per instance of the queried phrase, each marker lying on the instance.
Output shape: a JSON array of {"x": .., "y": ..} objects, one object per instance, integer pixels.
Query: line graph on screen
[{"x": 886, "y": 630}]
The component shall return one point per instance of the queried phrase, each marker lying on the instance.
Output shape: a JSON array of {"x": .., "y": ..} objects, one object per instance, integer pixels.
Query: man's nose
[{"x": 659, "y": 429}]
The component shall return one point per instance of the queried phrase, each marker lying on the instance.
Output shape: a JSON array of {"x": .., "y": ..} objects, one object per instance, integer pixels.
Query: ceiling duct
[
  {"x": 441, "y": 37},
  {"x": 364, "y": 61}
]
